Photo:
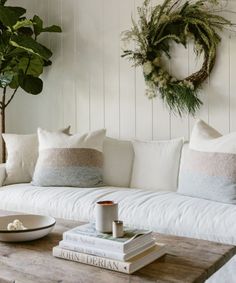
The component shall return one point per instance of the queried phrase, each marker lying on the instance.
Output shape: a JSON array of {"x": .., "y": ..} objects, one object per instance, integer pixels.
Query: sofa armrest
[{"x": 2, "y": 173}]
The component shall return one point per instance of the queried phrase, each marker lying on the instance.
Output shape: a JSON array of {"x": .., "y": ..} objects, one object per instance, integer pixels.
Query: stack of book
[{"x": 127, "y": 254}]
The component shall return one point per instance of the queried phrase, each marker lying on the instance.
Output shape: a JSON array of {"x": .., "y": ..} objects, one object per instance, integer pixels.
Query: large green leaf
[
  {"x": 15, "y": 82},
  {"x": 17, "y": 45},
  {"x": 29, "y": 44},
  {"x": 19, "y": 11},
  {"x": 47, "y": 63},
  {"x": 26, "y": 31},
  {"x": 52, "y": 28},
  {"x": 31, "y": 84},
  {"x": 22, "y": 23},
  {"x": 8, "y": 16},
  {"x": 9, "y": 65},
  {"x": 35, "y": 67},
  {"x": 38, "y": 25},
  {"x": 15, "y": 52},
  {"x": 4, "y": 38}
]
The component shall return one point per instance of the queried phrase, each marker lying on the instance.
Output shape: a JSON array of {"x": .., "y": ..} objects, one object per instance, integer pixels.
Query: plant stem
[
  {"x": 3, "y": 124},
  {"x": 14, "y": 92},
  {"x": 3, "y": 106},
  {"x": 12, "y": 96}
]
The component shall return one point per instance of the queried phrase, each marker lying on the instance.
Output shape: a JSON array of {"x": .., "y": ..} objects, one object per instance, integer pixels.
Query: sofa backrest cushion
[
  {"x": 118, "y": 162},
  {"x": 156, "y": 164},
  {"x": 22, "y": 154},
  {"x": 207, "y": 139},
  {"x": 69, "y": 160},
  {"x": 208, "y": 175},
  {"x": 208, "y": 166}
]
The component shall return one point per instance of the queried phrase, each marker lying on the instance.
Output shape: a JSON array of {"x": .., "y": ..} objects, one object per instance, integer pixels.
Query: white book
[
  {"x": 105, "y": 252},
  {"x": 87, "y": 235},
  {"x": 128, "y": 267}
]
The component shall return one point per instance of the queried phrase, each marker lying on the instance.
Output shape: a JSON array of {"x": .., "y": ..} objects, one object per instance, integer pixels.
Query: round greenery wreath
[{"x": 178, "y": 21}]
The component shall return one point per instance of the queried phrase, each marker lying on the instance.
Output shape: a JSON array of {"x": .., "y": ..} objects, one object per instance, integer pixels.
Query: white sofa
[{"x": 161, "y": 211}]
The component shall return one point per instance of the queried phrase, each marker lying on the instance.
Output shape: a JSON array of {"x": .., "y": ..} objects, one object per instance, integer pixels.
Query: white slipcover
[{"x": 165, "y": 212}]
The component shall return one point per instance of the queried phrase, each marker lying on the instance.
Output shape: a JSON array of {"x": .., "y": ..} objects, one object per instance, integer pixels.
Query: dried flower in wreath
[{"x": 178, "y": 21}]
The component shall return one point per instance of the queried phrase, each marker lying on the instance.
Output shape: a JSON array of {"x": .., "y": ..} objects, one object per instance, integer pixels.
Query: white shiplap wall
[{"x": 90, "y": 86}]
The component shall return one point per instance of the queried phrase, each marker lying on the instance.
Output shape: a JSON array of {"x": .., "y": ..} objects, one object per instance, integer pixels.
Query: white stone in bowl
[{"x": 37, "y": 226}]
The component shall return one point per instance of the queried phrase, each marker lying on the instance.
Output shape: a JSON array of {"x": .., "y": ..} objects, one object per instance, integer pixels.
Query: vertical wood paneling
[
  {"x": 82, "y": 72},
  {"x": 95, "y": 62},
  {"x": 112, "y": 67},
  {"x": 231, "y": 6},
  {"x": 127, "y": 78},
  {"x": 232, "y": 82},
  {"x": 43, "y": 101},
  {"x": 144, "y": 110},
  {"x": 89, "y": 86},
  {"x": 55, "y": 98},
  {"x": 161, "y": 121},
  {"x": 68, "y": 61},
  {"x": 219, "y": 89}
]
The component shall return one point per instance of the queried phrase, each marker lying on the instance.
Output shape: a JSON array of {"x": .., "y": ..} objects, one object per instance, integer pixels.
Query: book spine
[
  {"x": 92, "y": 260},
  {"x": 91, "y": 250},
  {"x": 93, "y": 242}
]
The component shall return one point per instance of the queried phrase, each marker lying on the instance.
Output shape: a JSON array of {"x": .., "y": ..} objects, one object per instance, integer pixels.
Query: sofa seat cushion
[{"x": 165, "y": 212}]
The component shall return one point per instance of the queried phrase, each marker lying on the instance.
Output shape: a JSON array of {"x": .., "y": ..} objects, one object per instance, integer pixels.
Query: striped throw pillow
[
  {"x": 64, "y": 160},
  {"x": 208, "y": 166},
  {"x": 208, "y": 175}
]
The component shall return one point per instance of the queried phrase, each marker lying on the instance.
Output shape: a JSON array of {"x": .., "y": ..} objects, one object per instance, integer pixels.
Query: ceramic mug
[{"x": 105, "y": 213}]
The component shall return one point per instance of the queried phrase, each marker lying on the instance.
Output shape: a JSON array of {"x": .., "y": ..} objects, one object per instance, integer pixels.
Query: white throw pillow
[
  {"x": 22, "y": 154},
  {"x": 208, "y": 167},
  {"x": 206, "y": 138},
  {"x": 69, "y": 160},
  {"x": 118, "y": 162},
  {"x": 156, "y": 164}
]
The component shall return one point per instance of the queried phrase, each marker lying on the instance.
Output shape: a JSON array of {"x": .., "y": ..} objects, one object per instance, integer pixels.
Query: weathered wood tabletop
[{"x": 187, "y": 260}]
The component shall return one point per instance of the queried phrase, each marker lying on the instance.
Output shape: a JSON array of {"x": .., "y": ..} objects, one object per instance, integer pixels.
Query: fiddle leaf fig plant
[{"x": 22, "y": 56}]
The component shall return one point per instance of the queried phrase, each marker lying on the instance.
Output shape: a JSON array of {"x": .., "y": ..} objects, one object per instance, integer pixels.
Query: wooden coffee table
[{"x": 187, "y": 260}]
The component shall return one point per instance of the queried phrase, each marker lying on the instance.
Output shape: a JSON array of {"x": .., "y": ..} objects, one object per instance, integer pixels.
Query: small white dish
[{"x": 37, "y": 226}]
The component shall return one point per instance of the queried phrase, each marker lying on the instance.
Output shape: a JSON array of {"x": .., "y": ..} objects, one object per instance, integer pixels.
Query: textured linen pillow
[
  {"x": 74, "y": 160},
  {"x": 118, "y": 162},
  {"x": 208, "y": 175},
  {"x": 22, "y": 154},
  {"x": 156, "y": 164},
  {"x": 208, "y": 166}
]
